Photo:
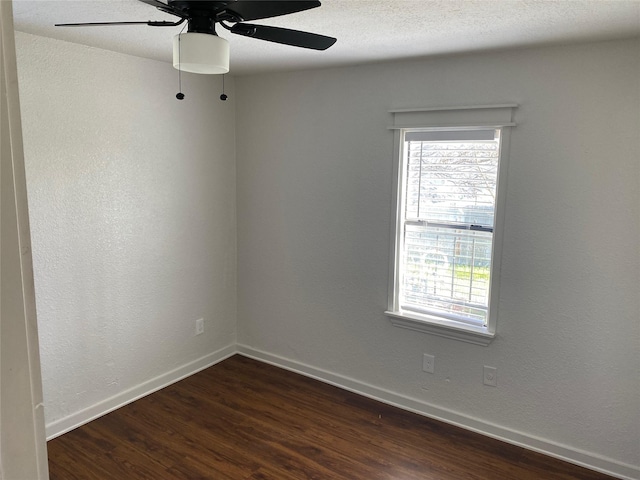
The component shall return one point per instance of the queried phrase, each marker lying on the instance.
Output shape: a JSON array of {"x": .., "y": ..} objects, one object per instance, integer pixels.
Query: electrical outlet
[
  {"x": 490, "y": 376},
  {"x": 199, "y": 326},
  {"x": 428, "y": 363}
]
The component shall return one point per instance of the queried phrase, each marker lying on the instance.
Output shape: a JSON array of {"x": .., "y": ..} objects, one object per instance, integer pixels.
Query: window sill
[{"x": 441, "y": 328}]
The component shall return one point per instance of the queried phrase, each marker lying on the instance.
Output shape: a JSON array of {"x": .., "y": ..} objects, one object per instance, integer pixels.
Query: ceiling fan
[{"x": 201, "y": 50}]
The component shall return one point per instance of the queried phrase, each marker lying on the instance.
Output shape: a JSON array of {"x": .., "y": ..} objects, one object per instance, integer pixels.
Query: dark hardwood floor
[{"x": 243, "y": 419}]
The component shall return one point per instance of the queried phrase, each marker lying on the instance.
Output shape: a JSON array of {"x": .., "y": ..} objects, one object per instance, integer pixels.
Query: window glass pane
[
  {"x": 447, "y": 271},
  {"x": 452, "y": 181}
]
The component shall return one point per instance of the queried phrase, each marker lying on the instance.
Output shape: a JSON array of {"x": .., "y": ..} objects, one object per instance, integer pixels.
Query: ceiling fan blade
[
  {"x": 163, "y": 7},
  {"x": 101, "y": 24},
  {"x": 254, "y": 10},
  {"x": 155, "y": 3},
  {"x": 285, "y": 36}
]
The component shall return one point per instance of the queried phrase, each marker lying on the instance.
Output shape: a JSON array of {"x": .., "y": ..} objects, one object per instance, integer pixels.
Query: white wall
[
  {"x": 132, "y": 205},
  {"x": 314, "y": 162}
]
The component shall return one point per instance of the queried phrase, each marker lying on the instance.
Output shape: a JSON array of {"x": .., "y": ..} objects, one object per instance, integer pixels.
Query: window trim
[{"x": 448, "y": 118}]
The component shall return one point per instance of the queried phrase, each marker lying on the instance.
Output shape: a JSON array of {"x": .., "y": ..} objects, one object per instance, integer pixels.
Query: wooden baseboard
[
  {"x": 59, "y": 427},
  {"x": 547, "y": 447}
]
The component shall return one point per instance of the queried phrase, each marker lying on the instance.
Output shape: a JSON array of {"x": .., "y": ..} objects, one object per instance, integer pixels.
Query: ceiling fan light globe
[{"x": 200, "y": 53}]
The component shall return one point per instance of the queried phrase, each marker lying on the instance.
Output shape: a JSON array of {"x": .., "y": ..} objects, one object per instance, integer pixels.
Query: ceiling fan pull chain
[
  {"x": 179, "y": 95},
  {"x": 223, "y": 97}
]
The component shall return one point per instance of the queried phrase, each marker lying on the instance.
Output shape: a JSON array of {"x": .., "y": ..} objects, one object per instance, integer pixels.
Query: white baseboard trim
[
  {"x": 547, "y": 447},
  {"x": 64, "y": 425}
]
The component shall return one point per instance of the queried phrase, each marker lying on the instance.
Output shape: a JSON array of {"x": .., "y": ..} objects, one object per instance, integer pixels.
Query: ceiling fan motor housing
[{"x": 202, "y": 14}]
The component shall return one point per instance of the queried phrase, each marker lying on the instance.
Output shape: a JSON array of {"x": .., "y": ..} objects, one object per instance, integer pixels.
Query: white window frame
[{"x": 448, "y": 118}]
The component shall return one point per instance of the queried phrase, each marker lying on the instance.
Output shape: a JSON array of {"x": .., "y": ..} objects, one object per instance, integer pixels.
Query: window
[{"x": 446, "y": 237}]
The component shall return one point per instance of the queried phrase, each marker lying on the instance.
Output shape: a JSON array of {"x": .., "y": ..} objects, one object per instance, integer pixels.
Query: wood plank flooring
[{"x": 243, "y": 419}]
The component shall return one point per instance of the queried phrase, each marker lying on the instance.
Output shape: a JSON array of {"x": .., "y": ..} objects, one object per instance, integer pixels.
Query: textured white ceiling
[{"x": 367, "y": 30}]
